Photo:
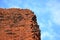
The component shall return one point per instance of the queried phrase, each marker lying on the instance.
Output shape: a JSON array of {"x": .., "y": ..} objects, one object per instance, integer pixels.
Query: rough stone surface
[{"x": 18, "y": 24}]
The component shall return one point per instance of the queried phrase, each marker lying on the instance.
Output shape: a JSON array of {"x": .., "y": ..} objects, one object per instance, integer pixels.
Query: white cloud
[
  {"x": 46, "y": 30},
  {"x": 47, "y": 35},
  {"x": 14, "y": 6},
  {"x": 56, "y": 17},
  {"x": 54, "y": 8}
]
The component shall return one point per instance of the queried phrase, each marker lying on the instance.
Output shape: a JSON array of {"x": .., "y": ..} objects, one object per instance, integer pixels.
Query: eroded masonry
[{"x": 18, "y": 24}]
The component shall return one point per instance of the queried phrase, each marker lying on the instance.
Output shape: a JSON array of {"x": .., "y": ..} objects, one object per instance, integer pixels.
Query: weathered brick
[{"x": 18, "y": 24}]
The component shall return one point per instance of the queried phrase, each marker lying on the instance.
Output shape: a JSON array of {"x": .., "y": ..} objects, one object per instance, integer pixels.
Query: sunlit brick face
[{"x": 18, "y": 24}]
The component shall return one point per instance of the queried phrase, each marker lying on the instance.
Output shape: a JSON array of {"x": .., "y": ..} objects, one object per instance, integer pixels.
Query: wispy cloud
[
  {"x": 47, "y": 36},
  {"x": 54, "y": 8},
  {"x": 47, "y": 32}
]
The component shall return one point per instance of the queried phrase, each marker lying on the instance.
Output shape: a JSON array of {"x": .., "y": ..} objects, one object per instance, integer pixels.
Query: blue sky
[{"x": 47, "y": 12}]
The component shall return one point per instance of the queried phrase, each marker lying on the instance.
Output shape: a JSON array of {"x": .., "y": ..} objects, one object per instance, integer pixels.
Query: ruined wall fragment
[{"x": 18, "y": 24}]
